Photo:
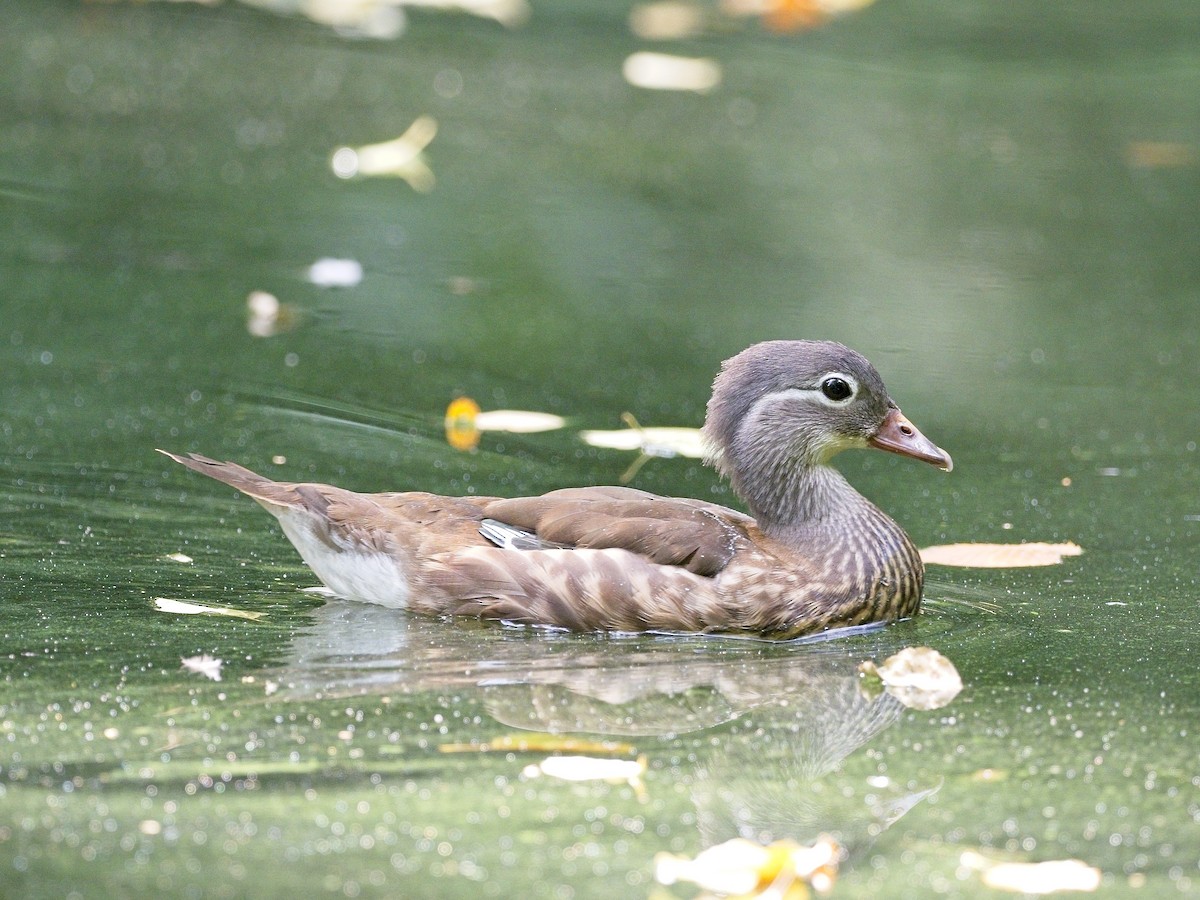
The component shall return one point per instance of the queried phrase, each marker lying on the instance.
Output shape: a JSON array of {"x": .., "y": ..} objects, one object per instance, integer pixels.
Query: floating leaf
[
  {"x": 664, "y": 72},
  {"x": 267, "y": 316},
  {"x": 208, "y": 666},
  {"x": 793, "y": 15},
  {"x": 665, "y": 442},
  {"x": 999, "y": 556},
  {"x": 328, "y": 272},
  {"x": 462, "y": 432},
  {"x": 178, "y": 557},
  {"x": 589, "y": 768},
  {"x": 1033, "y": 878},
  {"x": 744, "y": 868},
  {"x": 183, "y": 608},
  {"x": 465, "y": 422},
  {"x": 400, "y": 158},
  {"x": 541, "y": 743},
  {"x": 667, "y": 20},
  {"x": 1161, "y": 154},
  {"x": 919, "y": 677},
  {"x": 518, "y": 421}
]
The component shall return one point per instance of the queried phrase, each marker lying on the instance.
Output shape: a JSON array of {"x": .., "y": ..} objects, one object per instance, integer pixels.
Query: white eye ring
[{"x": 837, "y": 389}]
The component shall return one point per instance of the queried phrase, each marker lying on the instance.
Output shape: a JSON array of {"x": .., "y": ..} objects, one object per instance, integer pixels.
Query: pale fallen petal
[
  {"x": 178, "y": 557},
  {"x": 589, "y": 768},
  {"x": 667, "y": 20},
  {"x": 208, "y": 666},
  {"x": 329, "y": 272},
  {"x": 184, "y": 608},
  {"x": 663, "y": 72},
  {"x": 1161, "y": 154},
  {"x": 509, "y": 13},
  {"x": 543, "y": 743},
  {"x": 267, "y": 316},
  {"x": 1034, "y": 878},
  {"x": 666, "y": 442},
  {"x": 999, "y": 556},
  {"x": 402, "y": 157},
  {"x": 379, "y": 19},
  {"x": 743, "y": 867},
  {"x": 518, "y": 421},
  {"x": 319, "y": 590},
  {"x": 919, "y": 677}
]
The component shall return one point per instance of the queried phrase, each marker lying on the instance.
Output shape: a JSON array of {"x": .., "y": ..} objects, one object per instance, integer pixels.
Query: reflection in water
[{"x": 783, "y": 717}]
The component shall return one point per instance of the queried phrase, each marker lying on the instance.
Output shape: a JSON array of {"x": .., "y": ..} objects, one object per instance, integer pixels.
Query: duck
[{"x": 809, "y": 555}]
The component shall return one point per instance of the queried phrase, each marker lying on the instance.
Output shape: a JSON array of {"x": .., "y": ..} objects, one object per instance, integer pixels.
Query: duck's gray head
[{"x": 781, "y": 407}]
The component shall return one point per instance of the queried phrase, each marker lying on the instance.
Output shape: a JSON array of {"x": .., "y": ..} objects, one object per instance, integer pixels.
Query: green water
[{"x": 995, "y": 202}]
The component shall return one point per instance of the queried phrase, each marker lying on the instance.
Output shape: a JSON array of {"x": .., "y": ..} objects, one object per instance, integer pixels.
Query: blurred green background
[{"x": 995, "y": 202}]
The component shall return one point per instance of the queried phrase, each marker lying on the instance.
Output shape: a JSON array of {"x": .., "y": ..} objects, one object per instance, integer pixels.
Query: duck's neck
[
  {"x": 809, "y": 497},
  {"x": 872, "y": 569}
]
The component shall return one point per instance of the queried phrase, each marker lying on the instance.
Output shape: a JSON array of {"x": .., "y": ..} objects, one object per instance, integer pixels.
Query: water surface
[{"x": 996, "y": 204}]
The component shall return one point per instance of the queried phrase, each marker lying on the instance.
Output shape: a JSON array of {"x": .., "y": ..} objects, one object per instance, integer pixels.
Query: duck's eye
[{"x": 837, "y": 389}]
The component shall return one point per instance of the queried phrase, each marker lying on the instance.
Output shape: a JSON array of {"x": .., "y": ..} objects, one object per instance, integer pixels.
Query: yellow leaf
[{"x": 999, "y": 556}]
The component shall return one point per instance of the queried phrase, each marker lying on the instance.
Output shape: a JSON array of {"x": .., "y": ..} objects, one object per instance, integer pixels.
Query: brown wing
[
  {"x": 700, "y": 537},
  {"x": 582, "y": 590}
]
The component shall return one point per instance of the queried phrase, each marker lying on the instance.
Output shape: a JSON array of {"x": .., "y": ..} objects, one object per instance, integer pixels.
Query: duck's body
[{"x": 816, "y": 555}]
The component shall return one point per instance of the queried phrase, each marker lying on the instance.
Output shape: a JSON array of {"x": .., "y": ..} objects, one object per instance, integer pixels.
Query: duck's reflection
[{"x": 783, "y": 717}]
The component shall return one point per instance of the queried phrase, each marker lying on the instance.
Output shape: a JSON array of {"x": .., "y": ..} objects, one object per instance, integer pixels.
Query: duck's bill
[{"x": 898, "y": 435}]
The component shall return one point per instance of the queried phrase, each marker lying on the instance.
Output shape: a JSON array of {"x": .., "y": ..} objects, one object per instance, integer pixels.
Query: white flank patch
[{"x": 351, "y": 573}]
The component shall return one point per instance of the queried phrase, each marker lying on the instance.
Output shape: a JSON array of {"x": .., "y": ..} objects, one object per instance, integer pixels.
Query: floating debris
[
  {"x": 518, "y": 421},
  {"x": 1161, "y": 154},
  {"x": 919, "y": 677},
  {"x": 999, "y": 556},
  {"x": 327, "y": 272},
  {"x": 743, "y": 868},
  {"x": 650, "y": 443},
  {"x": 183, "y": 608},
  {"x": 509, "y": 13},
  {"x": 793, "y": 15},
  {"x": 668, "y": 20},
  {"x": 462, "y": 430},
  {"x": 399, "y": 158},
  {"x": 663, "y": 72},
  {"x": 178, "y": 557},
  {"x": 591, "y": 768},
  {"x": 267, "y": 316},
  {"x": 1033, "y": 878},
  {"x": 384, "y": 19},
  {"x": 665, "y": 442},
  {"x": 540, "y": 743},
  {"x": 208, "y": 666},
  {"x": 378, "y": 19},
  {"x": 465, "y": 422},
  {"x": 319, "y": 590}
]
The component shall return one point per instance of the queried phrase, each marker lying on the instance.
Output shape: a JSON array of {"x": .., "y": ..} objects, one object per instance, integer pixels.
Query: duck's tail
[{"x": 264, "y": 490}]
